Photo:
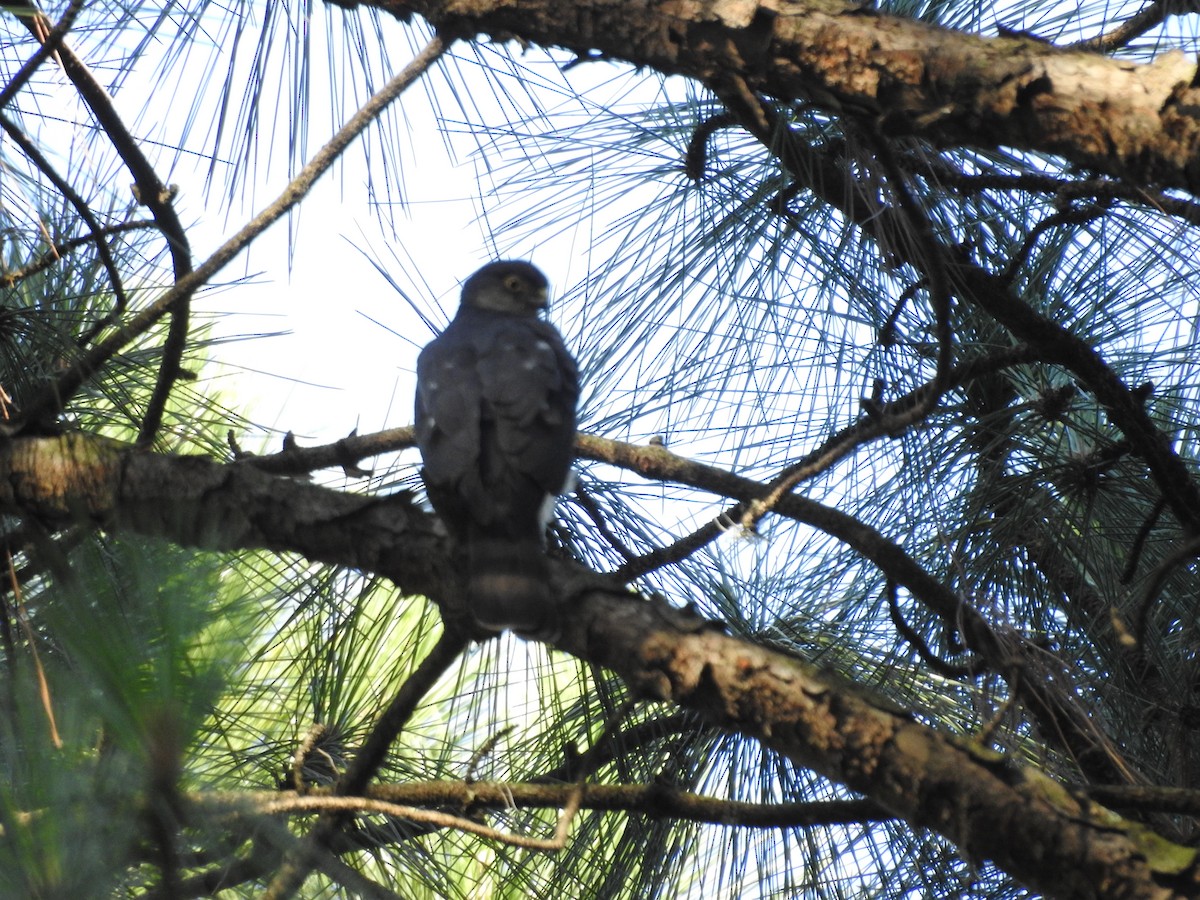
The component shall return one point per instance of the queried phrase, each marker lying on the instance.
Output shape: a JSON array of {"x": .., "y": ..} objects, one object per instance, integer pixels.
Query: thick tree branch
[
  {"x": 990, "y": 808},
  {"x": 196, "y": 502},
  {"x": 948, "y": 87},
  {"x": 193, "y": 501},
  {"x": 1024, "y": 822}
]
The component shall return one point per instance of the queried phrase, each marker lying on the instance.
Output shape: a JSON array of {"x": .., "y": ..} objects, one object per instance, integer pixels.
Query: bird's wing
[{"x": 496, "y": 421}]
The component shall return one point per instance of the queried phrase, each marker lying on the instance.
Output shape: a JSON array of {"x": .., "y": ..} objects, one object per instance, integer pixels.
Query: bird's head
[{"x": 510, "y": 286}]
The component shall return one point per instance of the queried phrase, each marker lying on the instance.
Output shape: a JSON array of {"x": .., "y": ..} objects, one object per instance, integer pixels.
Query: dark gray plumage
[{"x": 495, "y": 414}]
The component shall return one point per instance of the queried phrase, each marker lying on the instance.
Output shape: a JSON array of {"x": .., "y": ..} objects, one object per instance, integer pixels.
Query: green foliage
[{"x": 127, "y": 639}]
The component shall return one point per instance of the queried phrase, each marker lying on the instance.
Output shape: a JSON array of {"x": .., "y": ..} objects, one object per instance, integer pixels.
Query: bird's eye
[{"x": 513, "y": 283}]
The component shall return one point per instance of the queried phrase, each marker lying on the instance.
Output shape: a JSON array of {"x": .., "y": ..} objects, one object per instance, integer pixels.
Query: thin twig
[
  {"x": 1070, "y": 216},
  {"x": 301, "y": 755},
  {"x": 307, "y": 803},
  {"x": 1061, "y": 189},
  {"x": 656, "y": 800},
  {"x": 1135, "y": 26},
  {"x": 484, "y": 751},
  {"x": 758, "y": 118},
  {"x": 869, "y": 427},
  {"x": 1186, "y": 551},
  {"x": 585, "y": 500},
  {"x": 970, "y": 669},
  {"x": 1139, "y": 541},
  {"x": 39, "y": 672},
  {"x": 46, "y": 260}
]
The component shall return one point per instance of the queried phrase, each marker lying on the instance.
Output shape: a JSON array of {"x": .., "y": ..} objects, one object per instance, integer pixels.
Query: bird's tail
[{"x": 507, "y": 585}]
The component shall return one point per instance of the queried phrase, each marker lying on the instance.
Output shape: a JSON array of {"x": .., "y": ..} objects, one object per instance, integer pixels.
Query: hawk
[{"x": 495, "y": 414}]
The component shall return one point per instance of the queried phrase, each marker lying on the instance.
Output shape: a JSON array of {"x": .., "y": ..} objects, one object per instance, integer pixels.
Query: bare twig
[
  {"x": 344, "y": 452},
  {"x": 301, "y": 755},
  {"x": 1069, "y": 216},
  {"x": 1063, "y": 189},
  {"x": 760, "y": 120},
  {"x": 655, "y": 800},
  {"x": 950, "y": 670},
  {"x": 58, "y": 251},
  {"x": 307, "y": 803},
  {"x": 1151, "y": 16},
  {"x": 1186, "y": 551},
  {"x": 585, "y": 500},
  {"x": 1139, "y": 540},
  {"x": 484, "y": 751}
]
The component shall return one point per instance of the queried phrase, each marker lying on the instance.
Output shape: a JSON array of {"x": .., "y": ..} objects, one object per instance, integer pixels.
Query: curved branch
[
  {"x": 51, "y": 400},
  {"x": 152, "y": 192},
  {"x": 30, "y": 149}
]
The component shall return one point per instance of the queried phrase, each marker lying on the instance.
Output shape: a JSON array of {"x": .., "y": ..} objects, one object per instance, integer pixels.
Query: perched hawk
[{"x": 496, "y": 394}]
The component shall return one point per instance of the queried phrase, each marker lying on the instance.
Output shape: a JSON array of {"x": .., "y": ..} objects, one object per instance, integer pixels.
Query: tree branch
[
  {"x": 97, "y": 233},
  {"x": 153, "y": 194},
  {"x": 947, "y": 87},
  {"x": 989, "y": 807},
  {"x": 54, "y": 397},
  {"x": 991, "y": 292},
  {"x": 196, "y": 502},
  {"x": 656, "y": 801},
  {"x": 49, "y": 42},
  {"x": 1151, "y": 16}
]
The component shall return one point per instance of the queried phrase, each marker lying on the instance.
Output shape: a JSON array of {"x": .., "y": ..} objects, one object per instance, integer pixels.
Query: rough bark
[
  {"x": 992, "y": 809},
  {"x": 951, "y": 88}
]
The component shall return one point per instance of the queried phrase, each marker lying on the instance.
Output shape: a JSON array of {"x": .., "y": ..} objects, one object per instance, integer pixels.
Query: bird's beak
[{"x": 541, "y": 298}]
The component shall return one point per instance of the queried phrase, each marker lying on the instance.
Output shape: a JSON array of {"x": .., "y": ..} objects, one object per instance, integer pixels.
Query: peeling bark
[{"x": 951, "y": 88}]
